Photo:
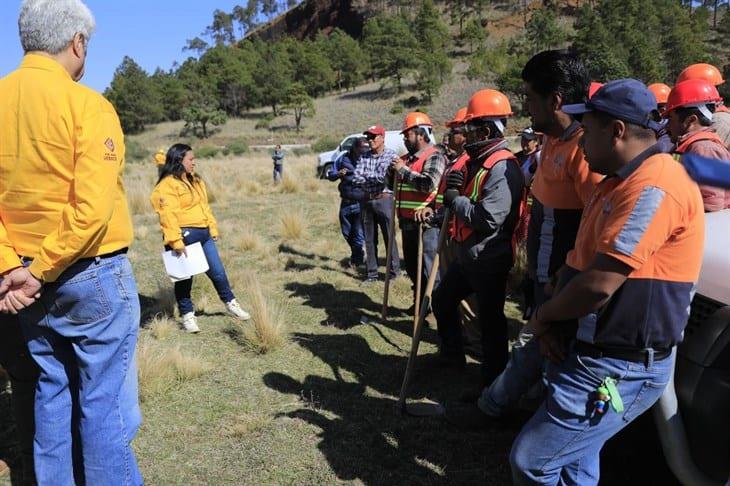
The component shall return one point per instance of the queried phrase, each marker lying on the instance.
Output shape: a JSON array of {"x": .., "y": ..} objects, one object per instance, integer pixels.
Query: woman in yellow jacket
[{"x": 181, "y": 200}]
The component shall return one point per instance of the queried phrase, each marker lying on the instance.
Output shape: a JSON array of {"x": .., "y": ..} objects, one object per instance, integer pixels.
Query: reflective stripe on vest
[
  {"x": 409, "y": 198},
  {"x": 459, "y": 164},
  {"x": 461, "y": 231},
  {"x": 703, "y": 135}
]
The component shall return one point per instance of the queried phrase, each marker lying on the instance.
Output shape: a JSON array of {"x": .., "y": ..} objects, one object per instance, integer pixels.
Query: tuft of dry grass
[
  {"x": 162, "y": 368},
  {"x": 292, "y": 225},
  {"x": 289, "y": 185},
  {"x": 246, "y": 424},
  {"x": 266, "y": 331},
  {"x": 138, "y": 197},
  {"x": 141, "y": 231},
  {"x": 161, "y": 326},
  {"x": 519, "y": 270},
  {"x": 203, "y": 304},
  {"x": 249, "y": 240}
]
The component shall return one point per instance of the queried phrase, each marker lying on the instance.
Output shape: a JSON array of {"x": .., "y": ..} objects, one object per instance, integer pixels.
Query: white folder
[{"x": 181, "y": 267}]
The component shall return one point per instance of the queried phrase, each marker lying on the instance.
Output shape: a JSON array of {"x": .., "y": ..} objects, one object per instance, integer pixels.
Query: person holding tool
[
  {"x": 485, "y": 200},
  {"x": 180, "y": 198},
  {"x": 418, "y": 175}
]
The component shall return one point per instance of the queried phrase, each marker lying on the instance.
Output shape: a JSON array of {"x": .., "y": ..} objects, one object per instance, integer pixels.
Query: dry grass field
[{"x": 305, "y": 392}]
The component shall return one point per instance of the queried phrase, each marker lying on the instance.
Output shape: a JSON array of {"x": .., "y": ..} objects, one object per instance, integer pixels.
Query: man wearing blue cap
[{"x": 628, "y": 282}]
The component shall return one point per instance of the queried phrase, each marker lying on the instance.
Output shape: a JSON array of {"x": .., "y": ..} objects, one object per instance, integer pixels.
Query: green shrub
[
  {"x": 136, "y": 152},
  {"x": 265, "y": 122},
  {"x": 325, "y": 144},
  {"x": 239, "y": 147},
  {"x": 206, "y": 152},
  {"x": 396, "y": 109}
]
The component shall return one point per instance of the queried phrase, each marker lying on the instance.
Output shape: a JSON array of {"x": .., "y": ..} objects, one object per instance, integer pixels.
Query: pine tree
[
  {"x": 433, "y": 65},
  {"x": 391, "y": 46},
  {"x": 134, "y": 97},
  {"x": 474, "y": 35},
  {"x": 300, "y": 103}
]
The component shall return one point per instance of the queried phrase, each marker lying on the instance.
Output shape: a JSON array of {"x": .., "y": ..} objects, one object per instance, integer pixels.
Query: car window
[{"x": 347, "y": 144}]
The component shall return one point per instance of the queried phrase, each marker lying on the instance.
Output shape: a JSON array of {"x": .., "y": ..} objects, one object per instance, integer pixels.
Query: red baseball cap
[{"x": 375, "y": 130}]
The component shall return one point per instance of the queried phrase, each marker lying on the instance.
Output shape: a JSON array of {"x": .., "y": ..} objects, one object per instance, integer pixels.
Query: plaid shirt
[
  {"x": 428, "y": 179},
  {"x": 371, "y": 172}
]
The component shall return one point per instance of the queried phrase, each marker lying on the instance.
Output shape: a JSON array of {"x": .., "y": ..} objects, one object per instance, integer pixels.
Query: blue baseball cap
[{"x": 628, "y": 100}]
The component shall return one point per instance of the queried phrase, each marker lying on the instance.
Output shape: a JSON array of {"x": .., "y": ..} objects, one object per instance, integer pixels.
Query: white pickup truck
[{"x": 393, "y": 141}]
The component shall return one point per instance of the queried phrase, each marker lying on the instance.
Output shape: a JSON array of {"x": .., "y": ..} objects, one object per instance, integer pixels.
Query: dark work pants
[
  {"x": 490, "y": 289},
  {"x": 378, "y": 213},
  {"x": 409, "y": 234},
  {"x": 23, "y": 373}
]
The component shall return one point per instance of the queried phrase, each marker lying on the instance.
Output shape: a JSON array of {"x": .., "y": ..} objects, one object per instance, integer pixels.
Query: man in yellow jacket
[{"x": 64, "y": 232}]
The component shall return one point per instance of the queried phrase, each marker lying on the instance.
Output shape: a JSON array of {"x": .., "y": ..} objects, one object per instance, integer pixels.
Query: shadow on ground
[{"x": 365, "y": 438}]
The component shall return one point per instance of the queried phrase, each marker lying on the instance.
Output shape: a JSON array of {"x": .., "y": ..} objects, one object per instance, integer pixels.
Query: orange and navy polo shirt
[
  {"x": 562, "y": 185},
  {"x": 648, "y": 215}
]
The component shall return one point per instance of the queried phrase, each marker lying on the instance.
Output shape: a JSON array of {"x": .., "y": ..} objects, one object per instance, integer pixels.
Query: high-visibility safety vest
[
  {"x": 410, "y": 199},
  {"x": 459, "y": 164},
  {"x": 461, "y": 231},
  {"x": 702, "y": 135}
]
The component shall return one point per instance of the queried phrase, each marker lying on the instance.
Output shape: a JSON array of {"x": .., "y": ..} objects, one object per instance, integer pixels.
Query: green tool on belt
[{"x": 616, "y": 403}]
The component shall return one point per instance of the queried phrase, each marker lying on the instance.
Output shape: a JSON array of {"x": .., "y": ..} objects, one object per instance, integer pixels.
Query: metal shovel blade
[{"x": 424, "y": 408}]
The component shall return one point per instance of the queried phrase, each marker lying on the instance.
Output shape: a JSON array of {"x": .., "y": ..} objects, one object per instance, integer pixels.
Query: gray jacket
[{"x": 493, "y": 217}]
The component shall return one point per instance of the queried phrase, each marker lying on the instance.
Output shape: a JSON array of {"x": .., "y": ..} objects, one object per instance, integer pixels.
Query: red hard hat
[
  {"x": 416, "y": 119},
  {"x": 488, "y": 103},
  {"x": 458, "y": 118},
  {"x": 661, "y": 92},
  {"x": 708, "y": 72},
  {"x": 593, "y": 87},
  {"x": 692, "y": 92}
]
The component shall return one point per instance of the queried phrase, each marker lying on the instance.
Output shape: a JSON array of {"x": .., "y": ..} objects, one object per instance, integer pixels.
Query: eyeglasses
[{"x": 371, "y": 136}]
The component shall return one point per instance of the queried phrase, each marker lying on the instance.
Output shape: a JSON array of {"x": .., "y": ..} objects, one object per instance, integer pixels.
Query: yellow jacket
[
  {"x": 182, "y": 205},
  {"x": 61, "y": 161}
]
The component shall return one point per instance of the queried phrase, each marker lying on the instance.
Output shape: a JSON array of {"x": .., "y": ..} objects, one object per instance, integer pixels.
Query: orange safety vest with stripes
[
  {"x": 459, "y": 164},
  {"x": 461, "y": 231},
  {"x": 409, "y": 198}
]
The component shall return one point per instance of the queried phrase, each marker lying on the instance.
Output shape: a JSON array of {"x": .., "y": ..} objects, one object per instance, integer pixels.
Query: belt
[
  {"x": 379, "y": 195},
  {"x": 122, "y": 251},
  {"x": 645, "y": 356}
]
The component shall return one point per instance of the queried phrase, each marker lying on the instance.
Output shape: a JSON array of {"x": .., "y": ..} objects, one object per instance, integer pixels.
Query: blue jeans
[
  {"x": 351, "y": 225},
  {"x": 278, "y": 172},
  {"x": 82, "y": 332},
  {"x": 216, "y": 273},
  {"x": 561, "y": 443}
]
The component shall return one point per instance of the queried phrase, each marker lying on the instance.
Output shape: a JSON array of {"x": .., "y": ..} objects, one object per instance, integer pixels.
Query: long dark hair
[{"x": 173, "y": 165}]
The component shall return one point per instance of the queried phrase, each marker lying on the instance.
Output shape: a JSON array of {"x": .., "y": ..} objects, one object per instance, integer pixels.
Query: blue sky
[{"x": 152, "y": 32}]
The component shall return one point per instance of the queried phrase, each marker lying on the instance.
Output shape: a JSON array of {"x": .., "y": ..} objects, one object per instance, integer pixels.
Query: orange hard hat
[
  {"x": 708, "y": 72},
  {"x": 458, "y": 118},
  {"x": 416, "y": 119},
  {"x": 160, "y": 157},
  {"x": 661, "y": 92},
  {"x": 693, "y": 92},
  {"x": 593, "y": 87},
  {"x": 488, "y": 103}
]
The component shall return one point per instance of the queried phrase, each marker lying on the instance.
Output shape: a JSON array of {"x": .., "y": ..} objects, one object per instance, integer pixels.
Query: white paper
[{"x": 181, "y": 267}]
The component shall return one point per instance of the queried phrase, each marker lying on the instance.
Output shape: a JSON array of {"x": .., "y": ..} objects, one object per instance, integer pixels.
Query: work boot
[
  {"x": 470, "y": 417},
  {"x": 235, "y": 309},
  {"x": 190, "y": 323}
]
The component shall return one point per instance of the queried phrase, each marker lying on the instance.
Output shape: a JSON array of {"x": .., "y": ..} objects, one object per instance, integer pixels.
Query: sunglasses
[{"x": 371, "y": 136}]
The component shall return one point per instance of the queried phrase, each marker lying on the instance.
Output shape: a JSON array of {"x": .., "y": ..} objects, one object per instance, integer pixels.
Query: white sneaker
[
  {"x": 190, "y": 324},
  {"x": 235, "y": 309}
]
